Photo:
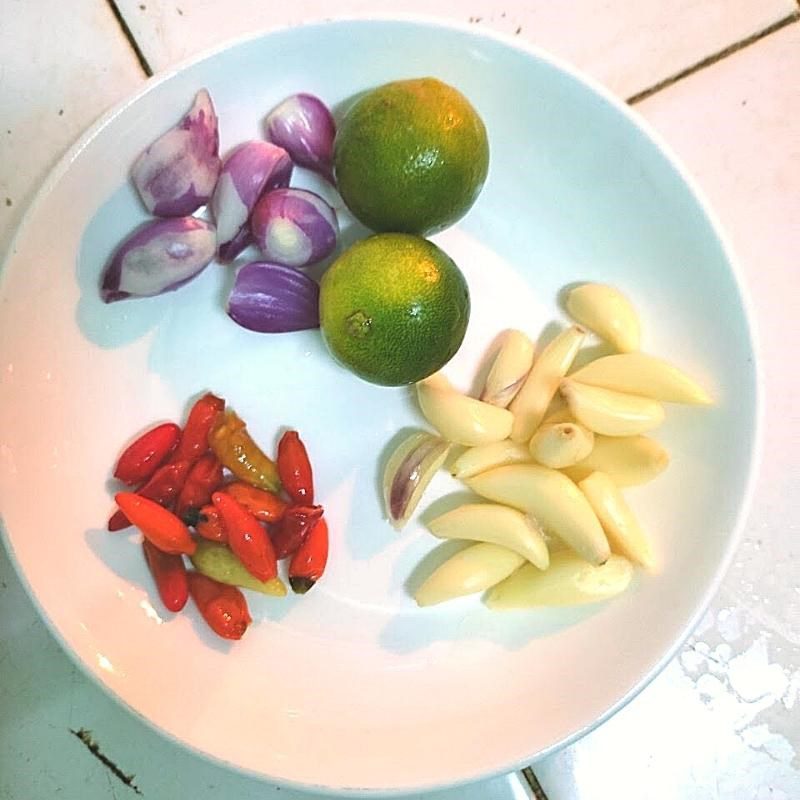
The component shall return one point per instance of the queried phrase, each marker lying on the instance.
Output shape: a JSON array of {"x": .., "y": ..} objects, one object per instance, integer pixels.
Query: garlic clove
[
  {"x": 641, "y": 374},
  {"x": 485, "y": 522},
  {"x": 624, "y": 533},
  {"x": 531, "y": 402},
  {"x": 569, "y": 581},
  {"x": 606, "y": 311},
  {"x": 610, "y": 412},
  {"x": 472, "y": 570},
  {"x": 628, "y": 460},
  {"x": 509, "y": 370},
  {"x": 463, "y": 419},
  {"x": 561, "y": 444},
  {"x": 556, "y": 503},
  {"x": 408, "y": 472},
  {"x": 487, "y": 456}
]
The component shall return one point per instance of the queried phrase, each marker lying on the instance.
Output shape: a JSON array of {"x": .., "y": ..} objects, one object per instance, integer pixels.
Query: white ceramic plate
[{"x": 352, "y": 688}]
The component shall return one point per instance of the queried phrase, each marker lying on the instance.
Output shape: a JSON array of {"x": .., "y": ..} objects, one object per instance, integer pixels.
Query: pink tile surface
[{"x": 627, "y": 45}]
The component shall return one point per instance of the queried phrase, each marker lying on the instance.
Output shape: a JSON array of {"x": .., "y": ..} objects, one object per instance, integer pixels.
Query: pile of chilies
[{"x": 209, "y": 492}]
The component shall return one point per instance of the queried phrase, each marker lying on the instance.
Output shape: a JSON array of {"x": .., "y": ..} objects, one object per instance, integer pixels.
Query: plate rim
[{"x": 59, "y": 169}]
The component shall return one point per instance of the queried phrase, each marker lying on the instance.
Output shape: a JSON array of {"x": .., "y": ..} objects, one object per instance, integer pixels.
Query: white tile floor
[
  {"x": 627, "y": 45},
  {"x": 722, "y": 721}
]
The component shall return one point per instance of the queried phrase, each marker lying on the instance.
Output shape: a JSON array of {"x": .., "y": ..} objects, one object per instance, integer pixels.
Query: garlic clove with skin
[
  {"x": 509, "y": 370},
  {"x": 408, "y": 472}
]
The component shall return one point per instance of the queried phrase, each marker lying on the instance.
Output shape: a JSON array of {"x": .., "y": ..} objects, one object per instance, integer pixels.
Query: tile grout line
[
  {"x": 126, "y": 32},
  {"x": 533, "y": 783},
  {"x": 714, "y": 58}
]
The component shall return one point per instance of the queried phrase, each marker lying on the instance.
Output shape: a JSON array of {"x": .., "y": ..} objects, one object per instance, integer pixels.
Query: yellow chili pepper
[{"x": 237, "y": 451}]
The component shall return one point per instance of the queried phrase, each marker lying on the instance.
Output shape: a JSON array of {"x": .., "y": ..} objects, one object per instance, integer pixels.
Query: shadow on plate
[
  {"x": 111, "y": 325},
  {"x": 465, "y": 619}
]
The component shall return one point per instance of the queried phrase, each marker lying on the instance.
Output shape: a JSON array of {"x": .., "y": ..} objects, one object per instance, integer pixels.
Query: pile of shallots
[{"x": 251, "y": 203}]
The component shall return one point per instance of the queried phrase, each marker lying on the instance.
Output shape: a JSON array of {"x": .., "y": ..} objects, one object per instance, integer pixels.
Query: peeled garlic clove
[
  {"x": 438, "y": 381},
  {"x": 509, "y": 370},
  {"x": 627, "y": 460},
  {"x": 648, "y": 376},
  {"x": 471, "y": 570},
  {"x": 487, "y": 456},
  {"x": 532, "y": 400},
  {"x": 556, "y": 503},
  {"x": 485, "y": 522},
  {"x": 609, "y": 412},
  {"x": 606, "y": 311},
  {"x": 561, "y": 444},
  {"x": 462, "y": 419},
  {"x": 569, "y": 581},
  {"x": 408, "y": 472},
  {"x": 620, "y": 524}
]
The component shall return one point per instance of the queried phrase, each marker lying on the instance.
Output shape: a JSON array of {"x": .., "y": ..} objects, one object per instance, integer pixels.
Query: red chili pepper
[
  {"x": 246, "y": 537},
  {"x": 164, "y": 485},
  {"x": 161, "y": 527},
  {"x": 194, "y": 442},
  {"x": 209, "y": 525},
  {"x": 142, "y": 458},
  {"x": 296, "y": 523},
  {"x": 263, "y": 505},
  {"x": 308, "y": 563},
  {"x": 294, "y": 468},
  {"x": 223, "y": 607},
  {"x": 204, "y": 478},
  {"x": 169, "y": 573}
]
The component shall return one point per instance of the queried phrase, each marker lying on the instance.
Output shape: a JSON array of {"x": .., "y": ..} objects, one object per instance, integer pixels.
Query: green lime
[
  {"x": 411, "y": 156},
  {"x": 393, "y": 308}
]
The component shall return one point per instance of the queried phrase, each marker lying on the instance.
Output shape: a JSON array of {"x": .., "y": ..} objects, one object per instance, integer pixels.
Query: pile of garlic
[{"x": 551, "y": 450}]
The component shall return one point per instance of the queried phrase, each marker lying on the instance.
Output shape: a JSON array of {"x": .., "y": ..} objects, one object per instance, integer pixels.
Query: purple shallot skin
[
  {"x": 304, "y": 126},
  {"x": 407, "y": 477},
  {"x": 294, "y": 227},
  {"x": 249, "y": 171},
  {"x": 272, "y": 298},
  {"x": 177, "y": 173},
  {"x": 159, "y": 256}
]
